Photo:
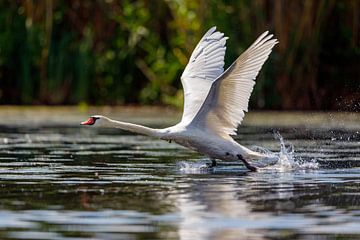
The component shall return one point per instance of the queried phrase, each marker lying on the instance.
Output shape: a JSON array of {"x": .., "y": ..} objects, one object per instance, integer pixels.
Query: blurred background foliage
[{"x": 133, "y": 52}]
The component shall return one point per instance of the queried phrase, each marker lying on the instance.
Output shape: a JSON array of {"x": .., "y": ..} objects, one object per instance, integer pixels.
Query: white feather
[
  {"x": 225, "y": 105},
  {"x": 205, "y": 65}
]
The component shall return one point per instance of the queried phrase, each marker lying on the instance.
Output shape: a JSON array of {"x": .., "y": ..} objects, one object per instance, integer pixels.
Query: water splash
[
  {"x": 286, "y": 159},
  {"x": 193, "y": 167}
]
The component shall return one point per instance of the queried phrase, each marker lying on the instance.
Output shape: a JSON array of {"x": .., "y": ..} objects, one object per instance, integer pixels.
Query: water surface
[{"x": 71, "y": 182}]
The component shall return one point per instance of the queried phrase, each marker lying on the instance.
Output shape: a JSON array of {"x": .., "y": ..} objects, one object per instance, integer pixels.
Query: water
[{"x": 71, "y": 182}]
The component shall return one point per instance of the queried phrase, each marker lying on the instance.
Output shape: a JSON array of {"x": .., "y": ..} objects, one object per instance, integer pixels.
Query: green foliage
[{"x": 121, "y": 52}]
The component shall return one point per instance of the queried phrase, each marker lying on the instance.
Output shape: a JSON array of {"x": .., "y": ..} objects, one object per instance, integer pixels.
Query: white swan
[{"x": 215, "y": 100}]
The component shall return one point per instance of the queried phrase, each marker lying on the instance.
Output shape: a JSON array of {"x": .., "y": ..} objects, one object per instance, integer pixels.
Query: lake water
[{"x": 64, "y": 181}]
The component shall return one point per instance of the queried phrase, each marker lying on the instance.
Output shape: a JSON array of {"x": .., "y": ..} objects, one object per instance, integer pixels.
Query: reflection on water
[{"x": 76, "y": 183}]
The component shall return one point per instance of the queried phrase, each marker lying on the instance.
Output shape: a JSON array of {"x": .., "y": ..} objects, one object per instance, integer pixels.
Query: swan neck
[{"x": 134, "y": 128}]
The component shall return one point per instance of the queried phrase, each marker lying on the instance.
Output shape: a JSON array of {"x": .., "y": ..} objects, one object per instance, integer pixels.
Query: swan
[{"x": 215, "y": 101}]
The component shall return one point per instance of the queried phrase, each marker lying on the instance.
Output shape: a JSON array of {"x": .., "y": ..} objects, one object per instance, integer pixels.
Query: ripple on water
[{"x": 71, "y": 183}]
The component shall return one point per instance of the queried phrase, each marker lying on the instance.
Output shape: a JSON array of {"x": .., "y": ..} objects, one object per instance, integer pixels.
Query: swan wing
[
  {"x": 228, "y": 98},
  {"x": 205, "y": 65}
]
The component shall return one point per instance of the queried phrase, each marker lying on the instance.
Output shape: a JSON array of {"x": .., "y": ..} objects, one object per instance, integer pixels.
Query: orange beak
[{"x": 90, "y": 121}]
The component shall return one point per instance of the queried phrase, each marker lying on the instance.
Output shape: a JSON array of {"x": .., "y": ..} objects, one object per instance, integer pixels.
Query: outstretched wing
[
  {"x": 228, "y": 99},
  {"x": 205, "y": 65}
]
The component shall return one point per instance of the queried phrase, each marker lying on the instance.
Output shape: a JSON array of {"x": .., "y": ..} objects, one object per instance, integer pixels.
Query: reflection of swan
[
  {"x": 215, "y": 100},
  {"x": 213, "y": 210}
]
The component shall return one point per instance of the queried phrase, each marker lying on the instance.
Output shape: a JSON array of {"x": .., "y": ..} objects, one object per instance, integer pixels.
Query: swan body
[
  {"x": 215, "y": 100},
  {"x": 208, "y": 143}
]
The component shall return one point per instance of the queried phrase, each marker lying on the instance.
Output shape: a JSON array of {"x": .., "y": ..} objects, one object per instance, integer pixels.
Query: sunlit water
[{"x": 90, "y": 183}]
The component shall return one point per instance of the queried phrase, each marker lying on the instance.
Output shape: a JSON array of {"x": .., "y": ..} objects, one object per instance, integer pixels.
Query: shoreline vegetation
[
  {"x": 133, "y": 52},
  {"x": 71, "y": 116}
]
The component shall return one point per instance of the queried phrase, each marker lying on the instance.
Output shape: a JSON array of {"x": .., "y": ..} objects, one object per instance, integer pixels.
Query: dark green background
[{"x": 133, "y": 52}]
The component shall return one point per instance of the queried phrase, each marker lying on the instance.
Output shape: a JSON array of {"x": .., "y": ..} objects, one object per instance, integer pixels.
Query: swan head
[{"x": 91, "y": 121}]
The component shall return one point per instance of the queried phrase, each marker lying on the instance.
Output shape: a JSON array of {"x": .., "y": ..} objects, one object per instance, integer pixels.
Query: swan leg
[
  {"x": 212, "y": 164},
  {"x": 247, "y": 165}
]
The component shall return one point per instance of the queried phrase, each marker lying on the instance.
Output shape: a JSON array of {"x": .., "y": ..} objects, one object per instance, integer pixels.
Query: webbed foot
[
  {"x": 212, "y": 164},
  {"x": 247, "y": 165}
]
